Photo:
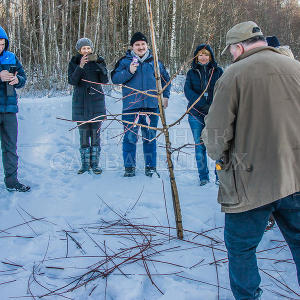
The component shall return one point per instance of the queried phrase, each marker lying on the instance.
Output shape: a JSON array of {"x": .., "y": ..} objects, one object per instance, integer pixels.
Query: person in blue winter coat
[
  {"x": 204, "y": 71},
  {"x": 136, "y": 70},
  {"x": 12, "y": 76}
]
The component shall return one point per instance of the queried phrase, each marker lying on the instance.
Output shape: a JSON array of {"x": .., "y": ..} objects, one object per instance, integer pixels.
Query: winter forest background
[{"x": 43, "y": 33}]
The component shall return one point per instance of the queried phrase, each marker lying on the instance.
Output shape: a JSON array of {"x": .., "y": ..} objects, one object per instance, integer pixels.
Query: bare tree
[
  {"x": 79, "y": 19},
  {"x": 173, "y": 64},
  {"x": 130, "y": 17},
  {"x": 43, "y": 40},
  {"x": 86, "y": 16}
]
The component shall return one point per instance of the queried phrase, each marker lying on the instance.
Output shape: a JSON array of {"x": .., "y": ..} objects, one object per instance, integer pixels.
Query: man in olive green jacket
[{"x": 253, "y": 131}]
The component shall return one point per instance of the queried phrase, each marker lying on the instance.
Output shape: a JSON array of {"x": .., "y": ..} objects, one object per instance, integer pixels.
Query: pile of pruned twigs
[{"x": 128, "y": 247}]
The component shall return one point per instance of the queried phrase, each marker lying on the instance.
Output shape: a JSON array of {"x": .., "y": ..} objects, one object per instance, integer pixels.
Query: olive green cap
[{"x": 241, "y": 32}]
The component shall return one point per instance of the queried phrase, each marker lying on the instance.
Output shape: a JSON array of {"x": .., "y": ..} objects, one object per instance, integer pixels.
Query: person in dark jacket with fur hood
[
  {"x": 204, "y": 70},
  {"x": 85, "y": 71},
  {"x": 136, "y": 70},
  {"x": 9, "y": 81}
]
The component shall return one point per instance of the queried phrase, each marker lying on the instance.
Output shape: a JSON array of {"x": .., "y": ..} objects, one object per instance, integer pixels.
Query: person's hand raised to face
[{"x": 85, "y": 51}]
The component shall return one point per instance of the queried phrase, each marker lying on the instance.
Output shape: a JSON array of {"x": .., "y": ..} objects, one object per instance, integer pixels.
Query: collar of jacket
[
  {"x": 7, "y": 58},
  {"x": 207, "y": 67},
  {"x": 129, "y": 55},
  {"x": 255, "y": 50},
  {"x": 141, "y": 59}
]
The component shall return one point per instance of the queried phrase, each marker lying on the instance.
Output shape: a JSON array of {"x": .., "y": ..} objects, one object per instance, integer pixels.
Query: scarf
[{"x": 141, "y": 59}]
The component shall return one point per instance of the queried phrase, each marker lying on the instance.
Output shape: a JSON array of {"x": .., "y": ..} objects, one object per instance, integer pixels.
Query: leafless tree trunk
[
  {"x": 173, "y": 64},
  {"x": 86, "y": 16},
  {"x": 96, "y": 36},
  {"x": 64, "y": 13},
  {"x": 197, "y": 25},
  {"x": 42, "y": 35},
  {"x": 70, "y": 31},
  {"x": 130, "y": 16},
  {"x": 157, "y": 17},
  {"x": 79, "y": 20},
  {"x": 175, "y": 197}
]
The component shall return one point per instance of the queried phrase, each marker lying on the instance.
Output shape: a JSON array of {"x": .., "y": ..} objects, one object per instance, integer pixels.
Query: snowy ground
[{"x": 49, "y": 160}]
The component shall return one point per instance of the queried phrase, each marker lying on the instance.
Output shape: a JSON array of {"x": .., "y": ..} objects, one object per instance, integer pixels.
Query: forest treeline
[{"x": 43, "y": 33}]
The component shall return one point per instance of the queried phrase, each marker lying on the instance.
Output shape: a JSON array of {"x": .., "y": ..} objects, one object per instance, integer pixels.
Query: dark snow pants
[
  {"x": 8, "y": 136},
  {"x": 90, "y": 135}
]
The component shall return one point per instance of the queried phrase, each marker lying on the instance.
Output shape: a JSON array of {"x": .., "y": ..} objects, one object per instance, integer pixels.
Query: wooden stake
[{"x": 175, "y": 197}]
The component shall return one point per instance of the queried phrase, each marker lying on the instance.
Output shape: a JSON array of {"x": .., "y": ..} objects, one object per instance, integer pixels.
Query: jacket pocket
[{"x": 228, "y": 190}]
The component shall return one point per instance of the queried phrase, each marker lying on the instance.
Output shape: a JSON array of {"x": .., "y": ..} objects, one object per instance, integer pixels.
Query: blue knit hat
[{"x": 273, "y": 41}]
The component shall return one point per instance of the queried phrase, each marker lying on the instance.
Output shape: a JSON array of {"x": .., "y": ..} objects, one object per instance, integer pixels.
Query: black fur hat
[{"x": 138, "y": 36}]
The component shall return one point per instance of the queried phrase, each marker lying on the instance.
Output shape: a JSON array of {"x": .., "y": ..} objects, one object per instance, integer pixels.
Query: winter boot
[
  {"x": 129, "y": 172},
  {"x": 85, "y": 160},
  {"x": 18, "y": 187},
  {"x": 203, "y": 182},
  {"x": 149, "y": 171},
  {"x": 95, "y": 156}
]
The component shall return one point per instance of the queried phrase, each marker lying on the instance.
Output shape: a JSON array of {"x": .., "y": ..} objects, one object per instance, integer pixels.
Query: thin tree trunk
[
  {"x": 7, "y": 5},
  {"x": 13, "y": 26},
  {"x": 30, "y": 68},
  {"x": 56, "y": 54},
  {"x": 173, "y": 63},
  {"x": 71, "y": 34},
  {"x": 157, "y": 18},
  {"x": 86, "y": 17},
  {"x": 79, "y": 19},
  {"x": 130, "y": 16},
  {"x": 19, "y": 34},
  {"x": 42, "y": 36},
  {"x": 176, "y": 203},
  {"x": 97, "y": 26},
  {"x": 196, "y": 32},
  {"x": 50, "y": 41},
  {"x": 63, "y": 68},
  {"x": 104, "y": 29}
]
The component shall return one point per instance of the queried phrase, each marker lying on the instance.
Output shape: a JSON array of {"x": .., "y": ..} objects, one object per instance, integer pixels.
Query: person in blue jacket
[
  {"x": 204, "y": 71},
  {"x": 12, "y": 76},
  {"x": 136, "y": 70}
]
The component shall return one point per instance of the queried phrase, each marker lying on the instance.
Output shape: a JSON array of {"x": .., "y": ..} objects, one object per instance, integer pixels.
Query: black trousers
[
  {"x": 8, "y": 136},
  {"x": 90, "y": 134}
]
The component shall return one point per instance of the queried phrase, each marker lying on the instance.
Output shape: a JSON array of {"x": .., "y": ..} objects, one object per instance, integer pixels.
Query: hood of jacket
[
  {"x": 3, "y": 35},
  {"x": 212, "y": 63}
]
